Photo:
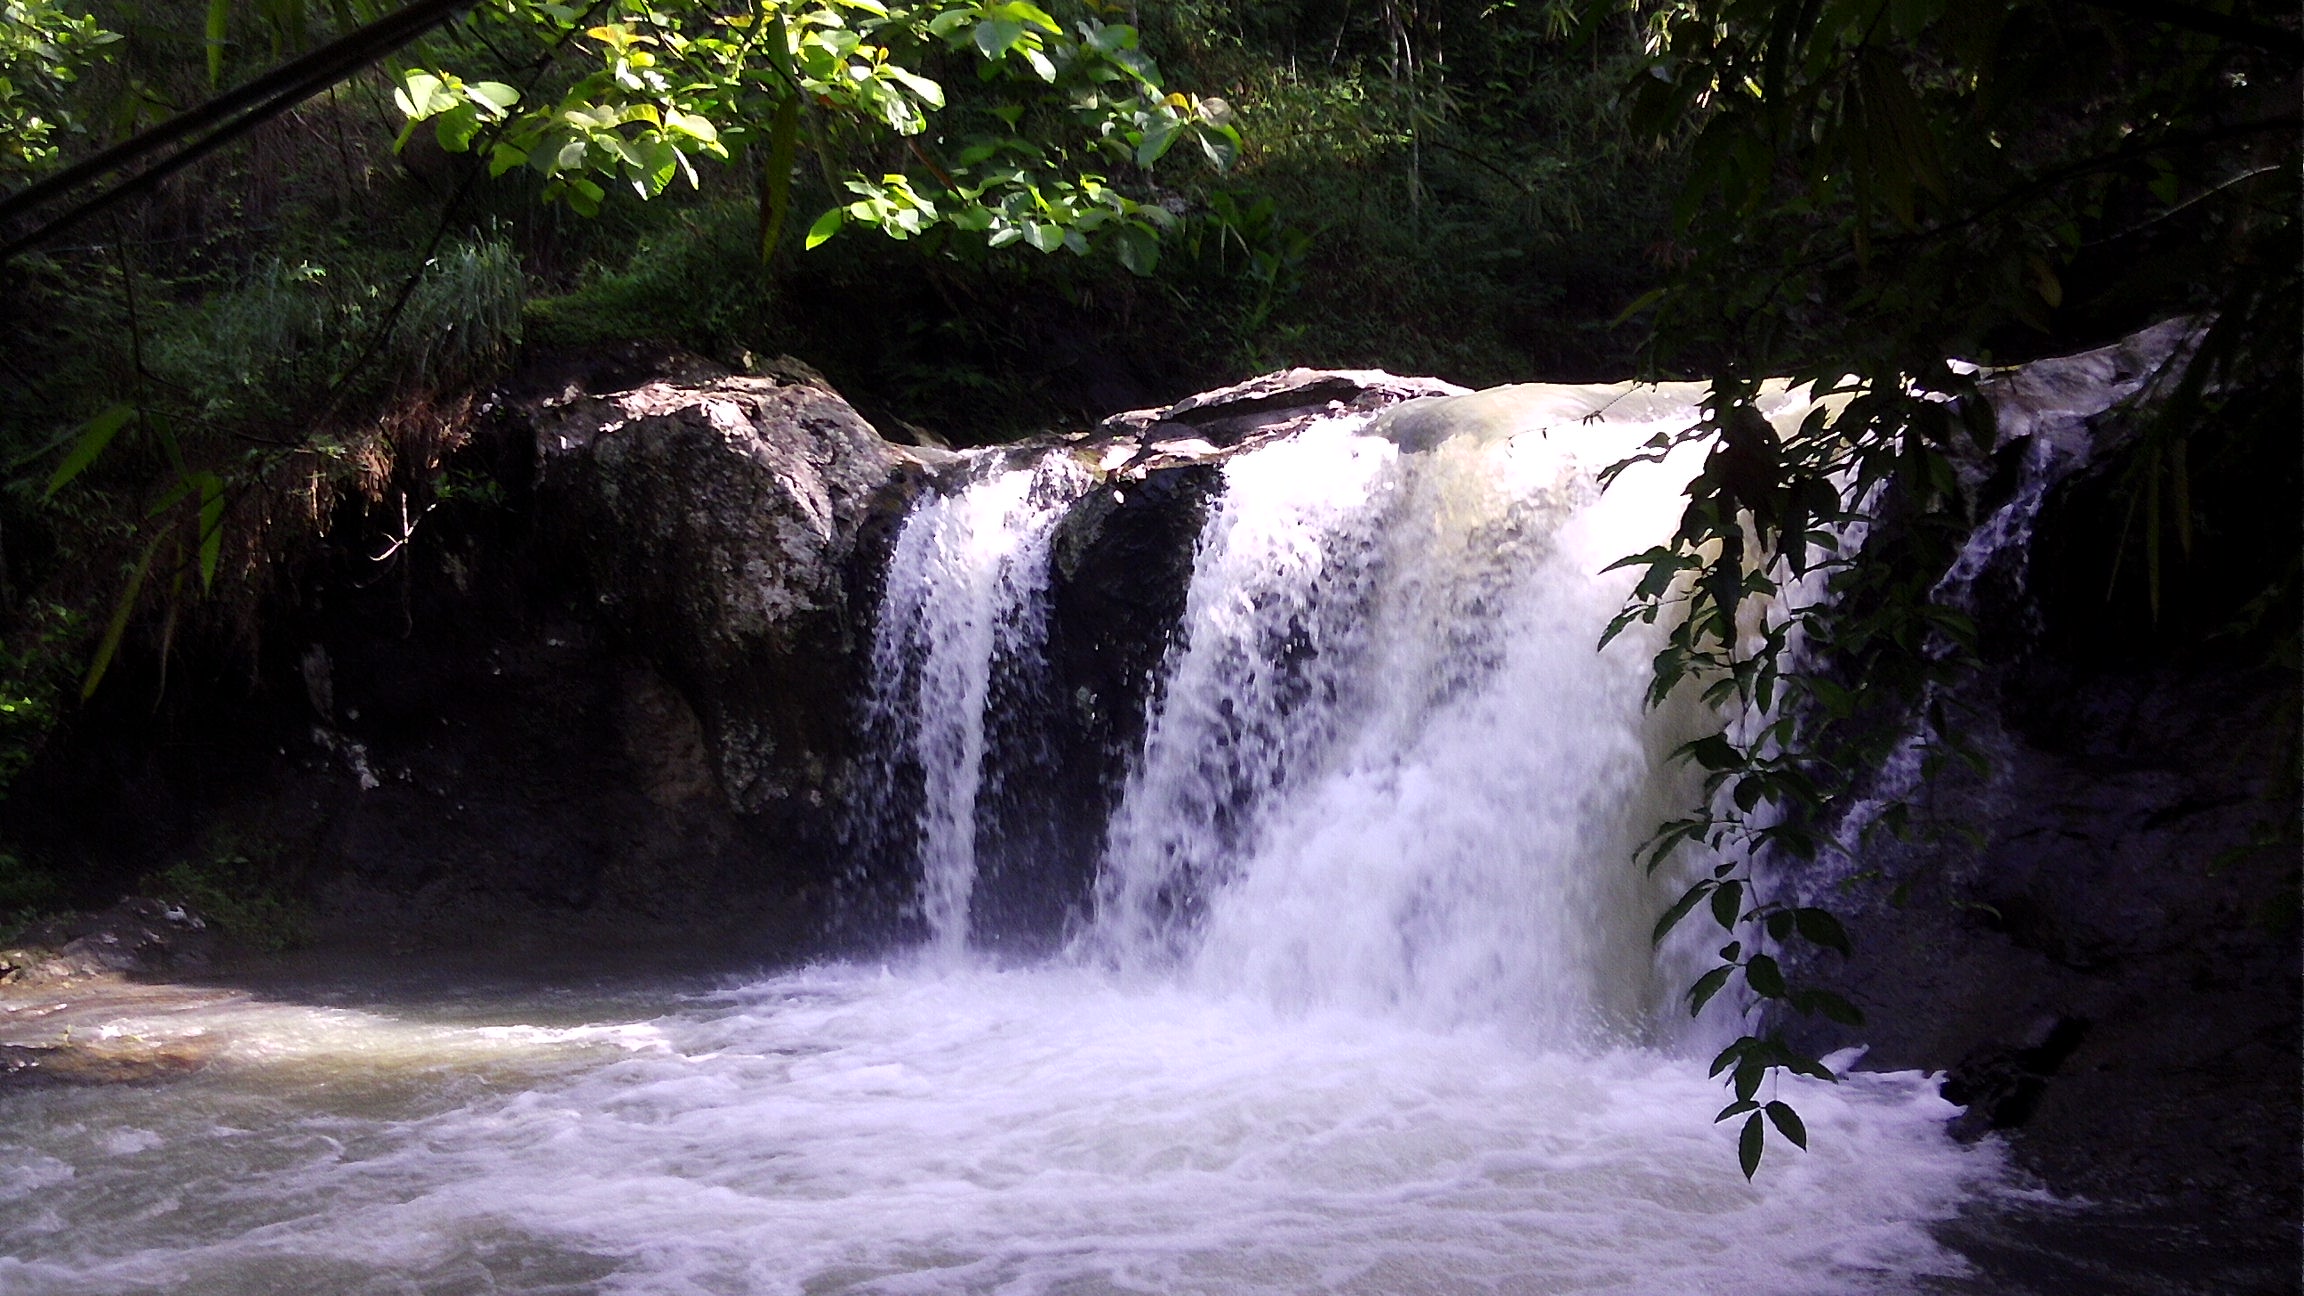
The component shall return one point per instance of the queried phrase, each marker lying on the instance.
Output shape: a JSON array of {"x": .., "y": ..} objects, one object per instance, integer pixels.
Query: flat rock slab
[{"x": 106, "y": 1030}]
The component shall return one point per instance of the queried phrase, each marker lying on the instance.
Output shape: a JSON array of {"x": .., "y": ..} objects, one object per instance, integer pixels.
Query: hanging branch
[{"x": 212, "y": 125}]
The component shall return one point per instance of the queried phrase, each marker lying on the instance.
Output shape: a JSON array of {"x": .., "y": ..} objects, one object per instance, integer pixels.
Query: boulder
[{"x": 721, "y": 523}]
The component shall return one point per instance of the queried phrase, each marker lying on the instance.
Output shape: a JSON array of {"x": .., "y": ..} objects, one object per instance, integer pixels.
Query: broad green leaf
[
  {"x": 496, "y": 94},
  {"x": 1024, "y": 12},
  {"x": 211, "y": 526},
  {"x": 826, "y": 226},
  {"x": 926, "y": 90},
  {"x": 1706, "y": 986},
  {"x": 1819, "y": 927},
  {"x": 691, "y": 124},
  {"x": 996, "y": 36},
  {"x": 1139, "y": 249},
  {"x": 1156, "y": 141},
  {"x": 95, "y": 434},
  {"x": 1680, "y": 909},
  {"x": 1787, "y": 1122},
  {"x": 1749, "y": 1145}
]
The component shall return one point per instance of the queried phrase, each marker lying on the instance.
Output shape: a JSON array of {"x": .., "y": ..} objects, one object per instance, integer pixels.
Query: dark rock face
[
  {"x": 2095, "y": 939},
  {"x": 718, "y": 523},
  {"x": 2107, "y": 973},
  {"x": 594, "y": 705}
]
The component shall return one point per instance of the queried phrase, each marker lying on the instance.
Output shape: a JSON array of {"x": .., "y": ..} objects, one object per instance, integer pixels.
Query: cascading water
[
  {"x": 965, "y": 598},
  {"x": 1367, "y": 1004},
  {"x": 1389, "y": 771}
]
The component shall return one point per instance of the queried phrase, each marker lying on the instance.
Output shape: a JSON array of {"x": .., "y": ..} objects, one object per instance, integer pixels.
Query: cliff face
[
  {"x": 2095, "y": 935},
  {"x": 596, "y": 698}
]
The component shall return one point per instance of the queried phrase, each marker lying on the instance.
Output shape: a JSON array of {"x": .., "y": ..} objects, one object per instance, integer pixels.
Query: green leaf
[
  {"x": 122, "y": 609},
  {"x": 1765, "y": 977},
  {"x": 1157, "y": 138},
  {"x": 1814, "y": 1069},
  {"x": 219, "y": 16},
  {"x": 1714, "y": 752},
  {"x": 1819, "y": 927},
  {"x": 1639, "y": 304},
  {"x": 825, "y": 227},
  {"x": 692, "y": 125},
  {"x": 1728, "y": 905},
  {"x": 776, "y": 180},
  {"x": 927, "y": 91},
  {"x": 211, "y": 526},
  {"x": 1139, "y": 249},
  {"x": 1680, "y": 909},
  {"x": 996, "y": 36},
  {"x": 1749, "y": 1145},
  {"x": 1706, "y": 986},
  {"x": 496, "y": 94},
  {"x": 95, "y": 434},
  {"x": 1787, "y": 1123}
]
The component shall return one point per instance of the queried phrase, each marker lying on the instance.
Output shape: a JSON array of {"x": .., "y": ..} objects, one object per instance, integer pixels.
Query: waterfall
[
  {"x": 966, "y": 599},
  {"x": 1280, "y": 583},
  {"x": 1386, "y": 769},
  {"x": 1366, "y": 1002},
  {"x": 1390, "y": 772}
]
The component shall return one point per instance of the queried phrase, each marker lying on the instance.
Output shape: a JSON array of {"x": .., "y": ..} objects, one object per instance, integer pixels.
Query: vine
[
  {"x": 1771, "y": 517},
  {"x": 1873, "y": 187}
]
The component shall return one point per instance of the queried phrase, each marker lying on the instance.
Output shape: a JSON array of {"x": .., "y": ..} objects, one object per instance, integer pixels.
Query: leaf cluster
[
  {"x": 1876, "y": 187},
  {"x": 1042, "y": 151}
]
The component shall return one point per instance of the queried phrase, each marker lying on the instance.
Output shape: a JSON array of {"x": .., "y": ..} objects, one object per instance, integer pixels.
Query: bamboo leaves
[{"x": 94, "y": 436}]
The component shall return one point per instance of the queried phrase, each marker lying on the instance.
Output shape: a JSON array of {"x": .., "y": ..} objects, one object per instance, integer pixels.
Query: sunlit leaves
[
  {"x": 44, "y": 47},
  {"x": 675, "y": 83}
]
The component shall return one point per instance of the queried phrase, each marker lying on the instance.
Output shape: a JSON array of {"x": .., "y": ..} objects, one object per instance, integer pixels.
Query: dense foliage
[{"x": 1878, "y": 189}]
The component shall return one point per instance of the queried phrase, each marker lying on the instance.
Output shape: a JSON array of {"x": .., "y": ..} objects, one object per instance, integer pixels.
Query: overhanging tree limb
[{"x": 219, "y": 121}]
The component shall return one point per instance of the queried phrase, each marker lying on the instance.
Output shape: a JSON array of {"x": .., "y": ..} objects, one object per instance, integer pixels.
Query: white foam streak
[
  {"x": 1389, "y": 771},
  {"x": 1250, "y": 702},
  {"x": 965, "y": 592}
]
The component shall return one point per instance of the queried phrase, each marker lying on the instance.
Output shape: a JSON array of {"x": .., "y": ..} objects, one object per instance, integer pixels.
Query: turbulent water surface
[
  {"x": 1365, "y": 1004},
  {"x": 893, "y": 1130}
]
